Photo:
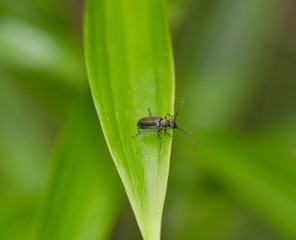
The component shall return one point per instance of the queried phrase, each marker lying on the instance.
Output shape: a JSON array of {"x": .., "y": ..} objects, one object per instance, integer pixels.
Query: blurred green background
[{"x": 236, "y": 62}]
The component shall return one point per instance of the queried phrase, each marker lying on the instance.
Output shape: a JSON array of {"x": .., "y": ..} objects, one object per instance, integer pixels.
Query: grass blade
[
  {"x": 130, "y": 69},
  {"x": 84, "y": 191}
]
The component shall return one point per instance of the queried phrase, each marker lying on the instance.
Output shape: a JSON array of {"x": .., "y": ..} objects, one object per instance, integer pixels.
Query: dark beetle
[{"x": 159, "y": 124}]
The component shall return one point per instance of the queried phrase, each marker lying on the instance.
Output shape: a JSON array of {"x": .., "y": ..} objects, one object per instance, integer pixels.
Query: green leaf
[
  {"x": 23, "y": 141},
  {"x": 84, "y": 193},
  {"x": 130, "y": 69},
  {"x": 40, "y": 51},
  {"x": 258, "y": 173},
  {"x": 17, "y": 214},
  {"x": 223, "y": 58}
]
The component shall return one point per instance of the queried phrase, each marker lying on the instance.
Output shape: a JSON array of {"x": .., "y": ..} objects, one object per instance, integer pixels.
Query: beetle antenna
[
  {"x": 189, "y": 136},
  {"x": 179, "y": 108}
]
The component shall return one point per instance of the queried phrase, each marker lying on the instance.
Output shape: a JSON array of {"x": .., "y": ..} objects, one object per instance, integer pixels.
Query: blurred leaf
[
  {"x": 84, "y": 193},
  {"x": 224, "y": 72},
  {"x": 203, "y": 202},
  {"x": 130, "y": 69},
  {"x": 16, "y": 216},
  {"x": 38, "y": 50},
  {"x": 198, "y": 216},
  {"x": 262, "y": 175},
  {"x": 24, "y": 143},
  {"x": 224, "y": 52}
]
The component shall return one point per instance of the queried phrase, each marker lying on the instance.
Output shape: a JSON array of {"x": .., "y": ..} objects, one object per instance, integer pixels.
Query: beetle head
[{"x": 172, "y": 123}]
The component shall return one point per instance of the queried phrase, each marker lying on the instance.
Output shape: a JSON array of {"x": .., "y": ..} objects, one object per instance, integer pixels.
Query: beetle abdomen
[{"x": 149, "y": 122}]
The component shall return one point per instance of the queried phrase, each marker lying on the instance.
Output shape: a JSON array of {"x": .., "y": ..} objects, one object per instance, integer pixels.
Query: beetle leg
[
  {"x": 165, "y": 117},
  {"x": 137, "y": 133},
  {"x": 166, "y": 133},
  {"x": 158, "y": 133},
  {"x": 150, "y": 113}
]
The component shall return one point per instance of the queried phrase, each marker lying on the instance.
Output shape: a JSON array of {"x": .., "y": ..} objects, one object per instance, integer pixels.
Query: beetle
[{"x": 160, "y": 123}]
